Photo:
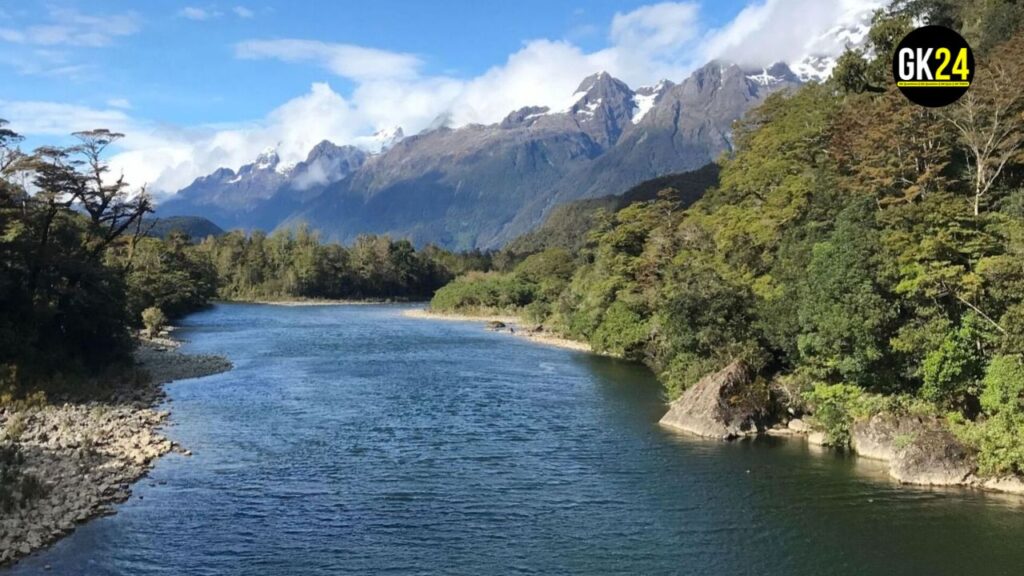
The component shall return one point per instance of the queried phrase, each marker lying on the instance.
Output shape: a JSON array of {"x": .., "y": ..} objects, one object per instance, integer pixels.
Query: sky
[{"x": 196, "y": 85}]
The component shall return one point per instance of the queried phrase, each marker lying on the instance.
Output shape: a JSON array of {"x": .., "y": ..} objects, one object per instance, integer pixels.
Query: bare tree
[
  {"x": 111, "y": 207},
  {"x": 990, "y": 117}
]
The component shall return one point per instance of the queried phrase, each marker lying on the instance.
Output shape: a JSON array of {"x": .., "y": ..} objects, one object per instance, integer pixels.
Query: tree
[
  {"x": 843, "y": 313},
  {"x": 989, "y": 118}
]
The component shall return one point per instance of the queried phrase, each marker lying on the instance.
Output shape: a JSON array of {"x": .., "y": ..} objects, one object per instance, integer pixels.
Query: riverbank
[
  {"x": 321, "y": 302},
  {"x": 920, "y": 449},
  {"x": 85, "y": 456},
  {"x": 512, "y": 325}
]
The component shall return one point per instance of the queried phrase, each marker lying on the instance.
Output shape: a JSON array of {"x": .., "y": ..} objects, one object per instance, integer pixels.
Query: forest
[
  {"x": 860, "y": 252},
  {"x": 78, "y": 272}
]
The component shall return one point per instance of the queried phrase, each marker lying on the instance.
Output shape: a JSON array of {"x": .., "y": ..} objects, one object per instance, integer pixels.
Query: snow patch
[
  {"x": 381, "y": 140},
  {"x": 820, "y": 53},
  {"x": 764, "y": 78},
  {"x": 642, "y": 104}
]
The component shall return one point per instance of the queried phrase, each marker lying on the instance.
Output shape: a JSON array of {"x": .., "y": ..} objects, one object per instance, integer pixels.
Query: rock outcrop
[
  {"x": 727, "y": 404},
  {"x": 919, "y": 449}
]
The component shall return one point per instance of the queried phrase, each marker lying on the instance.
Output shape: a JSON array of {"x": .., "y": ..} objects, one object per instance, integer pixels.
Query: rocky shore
[
  {"x": 84, "y": 457},
  {"x": 919, "y": 450}
]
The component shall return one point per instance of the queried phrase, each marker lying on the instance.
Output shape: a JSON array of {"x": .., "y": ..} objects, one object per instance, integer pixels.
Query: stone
[
  {"x": 877, "y": 437},
  {"x": 817, "y": 439},
  {"x": 727, "y": 404},
  {"x": 919, "y": 449},
  {"x": 799, "y": 426},
  {"x": 932, "y": 456}
]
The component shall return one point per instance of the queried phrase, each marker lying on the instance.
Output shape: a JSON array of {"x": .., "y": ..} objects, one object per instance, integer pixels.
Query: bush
[
  {"x": 835, "y": 407},
  {"x": 154, "y": 320},
  {"x": 951, "y": 373},
  {"x": 999, "y": 432},
  {"x": 623, "y": 332}
]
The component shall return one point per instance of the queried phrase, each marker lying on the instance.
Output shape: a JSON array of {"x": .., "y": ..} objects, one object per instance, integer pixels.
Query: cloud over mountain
[{"x": 377, "y": 88}]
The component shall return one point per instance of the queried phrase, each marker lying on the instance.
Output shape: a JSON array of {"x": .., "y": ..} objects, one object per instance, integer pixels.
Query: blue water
[{"x": 353, "y": 440}]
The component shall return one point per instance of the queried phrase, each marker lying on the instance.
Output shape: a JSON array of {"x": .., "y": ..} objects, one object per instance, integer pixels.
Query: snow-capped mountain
[
  {"x": 821, "y": 53},
  {"x": 482, "y": 185},
  {"x": 381, "y": 140}
]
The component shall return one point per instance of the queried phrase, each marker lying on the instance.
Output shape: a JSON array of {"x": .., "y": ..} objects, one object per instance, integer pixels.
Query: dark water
[{"x": 353, "y": 440}]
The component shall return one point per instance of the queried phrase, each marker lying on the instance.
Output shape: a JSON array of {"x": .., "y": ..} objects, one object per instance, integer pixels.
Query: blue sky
[{"x": 197, "y": 85}]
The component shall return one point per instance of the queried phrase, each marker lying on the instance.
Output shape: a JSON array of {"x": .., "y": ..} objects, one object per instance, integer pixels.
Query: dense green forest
[
  {"x": 80, "y": 270},
  {"x": 860, "y": 252}
]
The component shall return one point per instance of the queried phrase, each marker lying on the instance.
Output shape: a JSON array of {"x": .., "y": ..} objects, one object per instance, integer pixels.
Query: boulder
[
  {"x": 932, "y": 456},
  {"x": 877, "y": 437},
  {"x": 919, "y": 449},
  {"x": 727, "y": 404},
  {"x": 495, "y": 325},
  {"x": 799, "y": 426}
]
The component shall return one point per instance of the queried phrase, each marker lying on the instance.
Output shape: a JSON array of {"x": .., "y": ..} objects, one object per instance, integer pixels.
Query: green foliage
[
  {"x": 170, "y": 275},
  {"x": 61, "y": 305},
  {"x": 953, "y": 370},
  {"x": 861, "y": 246},
  {"x": 483, "y": 292},
  {"x": 623, "y": 331},
  {"x": 999, "y": 433},
  {"x": 844, "y": 316},
  {"x": 835, "y": 406},
  {"x": 567, "y": 224},
  {"x": 295, "y": 264}
]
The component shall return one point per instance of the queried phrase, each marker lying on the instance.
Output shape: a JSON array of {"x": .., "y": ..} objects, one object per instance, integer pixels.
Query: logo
[{"x": 933, "y": 66}]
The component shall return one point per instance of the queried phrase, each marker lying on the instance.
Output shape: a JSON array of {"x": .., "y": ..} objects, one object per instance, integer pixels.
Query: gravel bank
[
  {"x": 512, "y": 325},
  {"x": 87, "y": 455}
]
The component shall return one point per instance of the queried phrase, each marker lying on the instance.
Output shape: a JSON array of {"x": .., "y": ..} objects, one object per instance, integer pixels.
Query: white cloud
[
  {"x": 345, "y": 60},
  {"x": 197, "y": 14},
  {"x": 71, "y": 28},
  {"x": 56, "y": 119},
  {"x": 243, "y": 12},
  {"x": 665, "y": 40},
  {"x": 122, "y": 103},
  {"x": 665, "y": 26},
  {"x": 764, "y": 33}
]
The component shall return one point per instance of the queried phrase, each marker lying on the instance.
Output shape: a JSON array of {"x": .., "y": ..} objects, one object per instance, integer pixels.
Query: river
[{"x": 351, "y": 439}]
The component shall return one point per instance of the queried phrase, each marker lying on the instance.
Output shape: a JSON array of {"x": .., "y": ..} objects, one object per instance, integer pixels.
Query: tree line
[
  {"x": 78, "y": 272},
  {"x": 860, "y": 252}
]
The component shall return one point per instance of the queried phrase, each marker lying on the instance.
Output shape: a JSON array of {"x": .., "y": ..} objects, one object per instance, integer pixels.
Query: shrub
[
  {"x": 835, "y": 407},
  {"x": 999, "y": 432},
  {"x": 154, "y": 320}
]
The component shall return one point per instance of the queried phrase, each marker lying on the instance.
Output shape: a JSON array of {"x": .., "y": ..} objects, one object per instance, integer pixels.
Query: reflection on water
[{"x": 349, "y": 439}]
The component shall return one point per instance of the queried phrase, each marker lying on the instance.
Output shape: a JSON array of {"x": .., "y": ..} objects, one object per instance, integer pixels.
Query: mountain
[
  {"x": 480, "y": 186},
  {"x": 195, "y": 227},
  {"x": 566, "y": 226},
  {"x": 850, "y": 32},
  {"x": 260, "y": 193}
]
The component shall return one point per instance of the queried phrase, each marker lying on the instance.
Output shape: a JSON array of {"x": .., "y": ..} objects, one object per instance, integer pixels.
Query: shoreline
[
  {"x": 511, "y": 322},
  {"x": 298, "y": 302},
  {"x": 88, "y": 455}
]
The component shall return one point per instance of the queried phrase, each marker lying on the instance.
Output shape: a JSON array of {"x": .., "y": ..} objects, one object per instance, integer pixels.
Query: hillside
[
  {"x": 196, "y": 227},
  {"x": 567, "y": 224}
]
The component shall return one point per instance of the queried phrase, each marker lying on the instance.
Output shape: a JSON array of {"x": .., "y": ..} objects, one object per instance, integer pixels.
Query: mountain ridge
[{"x": 480, "y": 186}]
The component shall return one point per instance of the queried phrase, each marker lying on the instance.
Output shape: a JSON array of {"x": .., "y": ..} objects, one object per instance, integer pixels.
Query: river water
[{"x": 350, "y": 439}]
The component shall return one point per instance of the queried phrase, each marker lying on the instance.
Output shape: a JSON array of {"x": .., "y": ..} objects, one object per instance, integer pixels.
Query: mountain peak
[
  {"x": 601, "y": 84},
  {"x": 267, "y": 160}
]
